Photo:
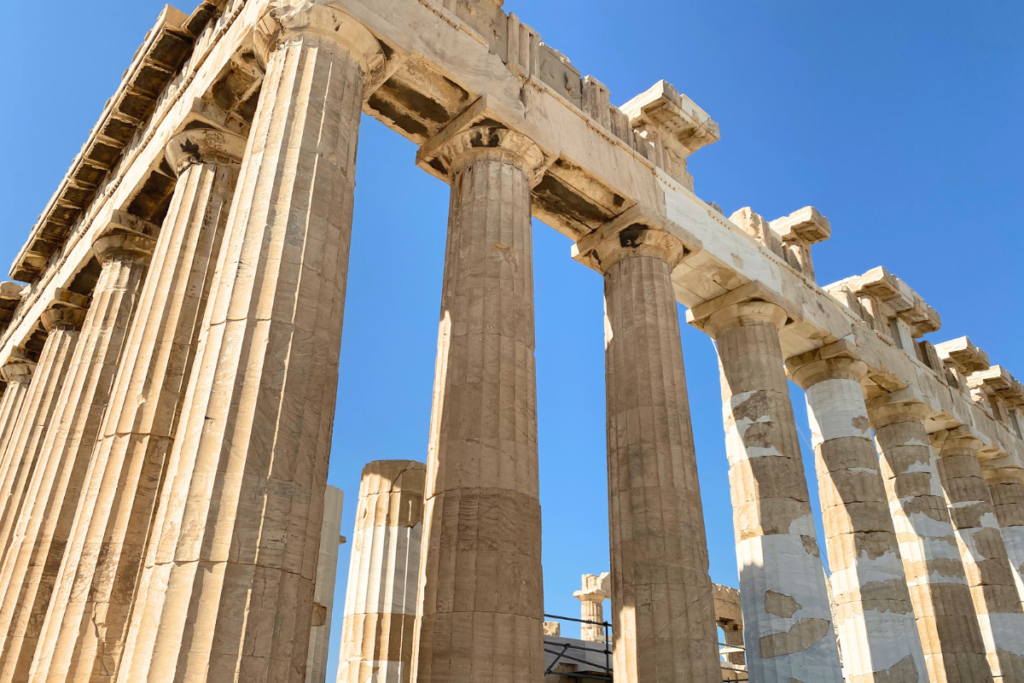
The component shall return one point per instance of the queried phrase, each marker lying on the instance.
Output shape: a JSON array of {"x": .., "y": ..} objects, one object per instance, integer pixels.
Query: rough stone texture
[
  {"x": 227, "y": 593},
  {"x": 872, "y": 608},
  {"x": 663, "y": 609},
  {"x": 777, "y": 549},
  {"x": 1006, "y": 486},
  {"x": 481, "y": 584},
  {"x": 950, "y": 634},
  {"x": 33, "y": 560},
  {"x": 989, "y": 575},
  {"x": 85, "y": 629},
  {"x": 377, "y": 638},
  {"x": 28, "y": 436},
  {"x": 326, "y": 577}
]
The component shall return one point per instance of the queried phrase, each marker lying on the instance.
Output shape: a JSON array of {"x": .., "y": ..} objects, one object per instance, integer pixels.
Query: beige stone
[
  {"x": 989, "y": 574},
  {"x": 1006, "y": 485},
  {"x": 377, "y": 637},
  {"x": 481, "y": 584},
  {"x": 326, "y": 577},
  {"x": 776, "y": 542},
  {"x": 871, "y": 604},
  {"x": 946, "y": 621},
  {"x": 663, "y": 610},
  {"x": 596, "y": 589},
  {"x": 227, "y": 592},
  {"x": 112, "y": 527},
  {"x": 30, "y": 568}
]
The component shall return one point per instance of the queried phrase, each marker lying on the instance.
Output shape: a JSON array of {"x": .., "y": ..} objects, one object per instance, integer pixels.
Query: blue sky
[{"x": 903, "y": 122}]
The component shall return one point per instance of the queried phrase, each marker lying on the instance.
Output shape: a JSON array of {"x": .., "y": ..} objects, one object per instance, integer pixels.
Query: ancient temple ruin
[{"x": 170, "y": 351}]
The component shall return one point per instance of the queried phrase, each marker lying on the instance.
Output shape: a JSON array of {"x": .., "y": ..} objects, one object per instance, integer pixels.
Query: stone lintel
[
  {"x": 752, "y": 292},
  {"x": 639, "y": 229},
  {"x": 838, "y": 360},
  {"x": 998, "y": 381},
  {"x": 963, "y": 355},
  {"x": 499, "y": 127},
  {"x": 675, "y": 118},
  {"x": 806, "y": 225}
]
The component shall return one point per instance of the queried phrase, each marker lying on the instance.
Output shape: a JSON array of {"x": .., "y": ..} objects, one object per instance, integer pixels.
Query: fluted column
[
  {"x": 17, "y": 374},
  {"x": 874, "y": 615},
  {"x": 949, "y": 631},
  {"x": 84, "y": 632},
  {"x": 227, "y": 593},
  {"x": 662, "y": 602},
  {"x": 592, "y": 596},
  {"x": 62, "y": 321},
  {"x": 787, "y": 620},
  {"x": 989, "y": 575},
  {"x": 30, "y": 569},
  {"x": 1006, "y": 485},
  {"x": 481, "y": 585},
  {"x": 380, "y": 603},
  {"x": 326, "y": 578}
]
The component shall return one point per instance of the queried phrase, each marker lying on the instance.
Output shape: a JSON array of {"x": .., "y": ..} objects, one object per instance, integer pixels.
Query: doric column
[
  {"x": 62, "y": 321},
  {"x": 592, "y": 597},
  {"x": 950, "y": 634},
  {"x": 874, "y": 615},
  {"x": 989, "y": 575},
  {"x": 84, "y": 631},
  {"x": 380, "y": 603},
  {"x": 787, "y": 619},
  {"x": 326, "y": 578},
  {"x": 227, "y": 593},
  {"x": 664, "y": 623},
  {"x": 1006, "y": 485},
  {"x": 481, "y": 585},
  {"x": 30, "y": 569},
  {"x": 17, "y": 374}
]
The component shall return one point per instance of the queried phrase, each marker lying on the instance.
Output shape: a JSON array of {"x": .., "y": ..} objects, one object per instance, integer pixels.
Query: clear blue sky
[{"x": 903, "y": 122}]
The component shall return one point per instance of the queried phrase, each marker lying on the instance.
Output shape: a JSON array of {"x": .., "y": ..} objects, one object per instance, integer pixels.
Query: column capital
[
  {"x": 751, "y": 303},
  {"x": 840, "y": 360},
  {"x": 19, "y": 366},
  {"x": 66, "y": 311},
  {"x": 1002, "y": 475},
  {"x": 491, "y": 138},
  {"x": 204, "y": 146},
  {"x": 125, "y": 236},
  {"x": 285, "y": 19},
  {"x": 957, "y": 441},
  {"x": 905, "y": 405},
  {"x": 636, "y": 231}
]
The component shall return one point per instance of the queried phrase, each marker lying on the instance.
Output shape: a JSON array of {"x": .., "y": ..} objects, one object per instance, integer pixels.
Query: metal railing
[{"x": 562, "y": 650}]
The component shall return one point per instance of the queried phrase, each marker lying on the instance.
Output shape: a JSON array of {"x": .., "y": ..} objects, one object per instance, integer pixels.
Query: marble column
[
  {"x": 662, "y": 601},
  {"x": 62, "y": 320},
  {"x": 1006, "y": 485},
  {"x": 989, "y": 574},
  {"x": 30, "y": 569},
  {"x": 787, "y": 620},
  {"x": 17, "y": 374},
  {"x": 326, "y": 578},
  {"x": 380, "y": 603},
  {"x": 592, "y": 597},
  {"x": 946, "y": 622},
  {"x": 874, "y": 615},
  {"x": 481, "y": 584},
  {"x": 227, "y": 592},
  {"x": 84, "y": 631}
]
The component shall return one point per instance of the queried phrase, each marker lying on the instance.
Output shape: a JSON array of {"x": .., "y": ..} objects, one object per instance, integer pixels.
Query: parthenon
[{"x": 169, "y": 354}]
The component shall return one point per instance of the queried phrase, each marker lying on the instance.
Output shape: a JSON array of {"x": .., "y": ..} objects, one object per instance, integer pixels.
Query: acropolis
[{"x": 169, "y": 355}]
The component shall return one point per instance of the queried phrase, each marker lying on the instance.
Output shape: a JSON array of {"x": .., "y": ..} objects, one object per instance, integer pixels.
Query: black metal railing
[{"x": 562, "y": 651}]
